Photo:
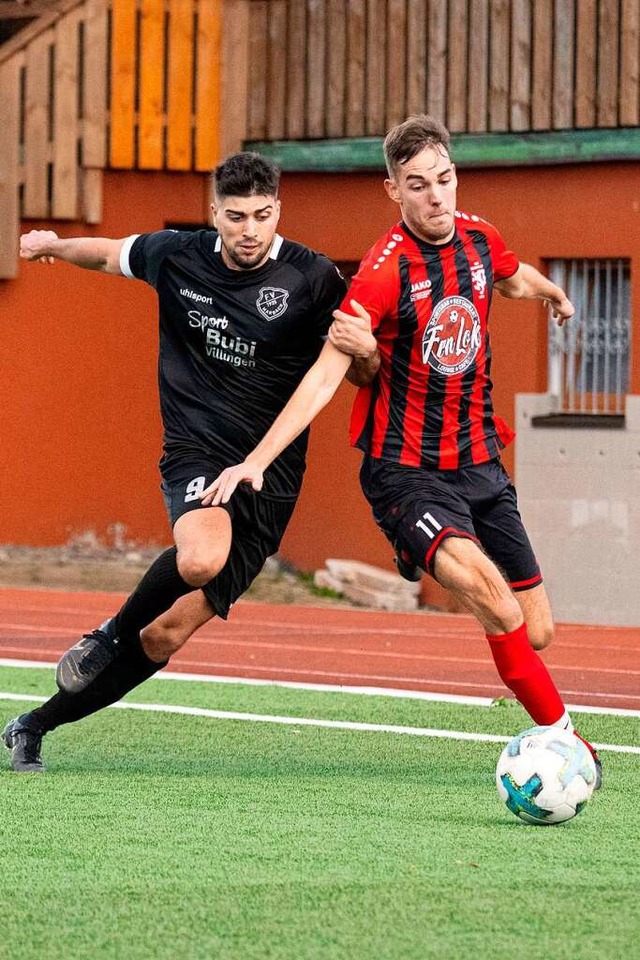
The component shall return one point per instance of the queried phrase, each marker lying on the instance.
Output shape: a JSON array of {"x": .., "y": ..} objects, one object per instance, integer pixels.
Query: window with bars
[{"x": 589, "y": 357}]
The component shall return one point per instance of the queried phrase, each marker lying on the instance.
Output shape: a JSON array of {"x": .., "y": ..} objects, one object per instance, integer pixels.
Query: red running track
[{"x": 442, "y": 653}]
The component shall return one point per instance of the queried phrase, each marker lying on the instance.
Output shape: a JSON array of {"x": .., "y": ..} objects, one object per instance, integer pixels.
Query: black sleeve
[
  {"x": 147, "y": 252},
  {"x": 328, "y": 288}
]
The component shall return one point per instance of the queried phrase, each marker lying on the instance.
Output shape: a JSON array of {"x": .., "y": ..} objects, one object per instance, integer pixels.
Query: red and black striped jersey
[{"x": 430, "y": 405}]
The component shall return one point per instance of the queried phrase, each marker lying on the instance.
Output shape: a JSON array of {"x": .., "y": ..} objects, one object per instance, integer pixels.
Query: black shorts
[
  {"x": 417, "y": 509},
  {"x": 258, "y": 524}
]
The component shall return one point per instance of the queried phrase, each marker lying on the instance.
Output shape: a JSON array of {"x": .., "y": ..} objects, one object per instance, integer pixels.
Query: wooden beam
[
  {"x": 94, "y": 121},
  {"x": 9, "y": 215},
  {"x": 235, "y": 76},
  {"x": 123, "y": 77},
  {"x": 208, "y": 84},
  {"x": 64, "y": 199},
  {"x": 36, "y": 127},
  {"x": 180, "y": 85}
]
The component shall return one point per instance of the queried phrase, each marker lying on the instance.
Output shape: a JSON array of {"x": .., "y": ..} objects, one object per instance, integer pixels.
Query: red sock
[{"x": 523, "y": 672}]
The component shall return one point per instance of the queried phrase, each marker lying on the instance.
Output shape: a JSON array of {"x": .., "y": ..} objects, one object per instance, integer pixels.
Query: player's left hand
[
  {"x": 223, "y": 487},
  {"x": 561, "y": 310},
  {"x": 352, "y": 333}
]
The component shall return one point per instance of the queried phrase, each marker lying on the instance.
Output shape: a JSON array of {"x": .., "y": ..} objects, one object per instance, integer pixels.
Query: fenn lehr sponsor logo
[{"x": 452, "y": 337}]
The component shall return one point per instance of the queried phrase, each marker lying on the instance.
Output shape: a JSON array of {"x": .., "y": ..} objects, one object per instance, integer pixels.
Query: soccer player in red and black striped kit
[{"x": 424, "y": 416}]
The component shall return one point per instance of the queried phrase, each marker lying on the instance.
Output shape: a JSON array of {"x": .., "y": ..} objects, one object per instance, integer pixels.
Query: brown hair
[
  {"x": 246, "y": 174},
  {"x": 411, "y": 136}
]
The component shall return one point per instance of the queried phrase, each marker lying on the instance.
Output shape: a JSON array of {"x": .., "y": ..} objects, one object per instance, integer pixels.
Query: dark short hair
[
  {"x": 246, "y": 175},
  {"x": 408, "y": 138}
]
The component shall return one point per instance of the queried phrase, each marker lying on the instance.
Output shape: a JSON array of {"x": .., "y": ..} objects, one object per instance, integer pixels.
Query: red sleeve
[
  {"x": 505, "y": 263},
  {"x": 375, "y": 287}
]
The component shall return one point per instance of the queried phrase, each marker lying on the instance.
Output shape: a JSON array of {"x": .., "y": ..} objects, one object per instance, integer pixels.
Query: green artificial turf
[{"x": 166, "y": 836}]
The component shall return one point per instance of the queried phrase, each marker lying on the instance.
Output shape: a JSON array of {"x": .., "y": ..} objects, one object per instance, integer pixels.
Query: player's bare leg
[
  {"x": 203, "y": 539},
  {"x": 462, "y": 567},
  {"x": 536, "y": 611},
  {"x": 170, "y": 631},
  {"x": 203, "y": 542}
]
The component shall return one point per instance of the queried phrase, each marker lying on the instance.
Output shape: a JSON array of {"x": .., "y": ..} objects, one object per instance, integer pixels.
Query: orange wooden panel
[
  {"x": 36, "y": 123},
  {"x": 151, "y": 93},
  {"x": 64, "y": 199},
  {"x": 316, "y": 67},
  {"x": 277, "y": 69},
  {"x": 437, "y": 60},
  {"x": 257, "y": 93},
  {"x": 123, "y": 78},
  {"x": 520, "y": 86},
  {"x": 607, "y": 92},
  {"x": 336, "y": 68},
  {"x": 586, "y": 65},
  {"x": 564, "y": 39},
  {"x": 94, "y": 120},
  {"x": 542, "y": 71},
  {"x": 630, "y": 63},
  {"x": 296, "y": 65},
  {"x": 180, "y": 85},
  {"x": 458, "y": 64},
  {"x": 499, "y": 67},
  {"x": 478, "y": 65},
  {"x": 416, "y": 56},
  {"x": 9, "y": 214},
  {"x": 376, "y": 67},
  {"x": 208, "y": 84},
  {"x": 395, "y": 108}
]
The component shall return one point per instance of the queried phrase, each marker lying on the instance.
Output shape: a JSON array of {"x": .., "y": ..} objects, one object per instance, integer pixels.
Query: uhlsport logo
[
  {"x": 272, "y": 302},
  {"x": 452, "y": 337}
]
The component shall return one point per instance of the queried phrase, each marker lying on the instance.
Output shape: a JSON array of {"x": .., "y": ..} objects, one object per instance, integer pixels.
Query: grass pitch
[{"x": 158, "y": 835}]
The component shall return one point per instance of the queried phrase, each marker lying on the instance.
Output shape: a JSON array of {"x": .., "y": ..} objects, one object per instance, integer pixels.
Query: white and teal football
[{"x": 545, "y": 775}]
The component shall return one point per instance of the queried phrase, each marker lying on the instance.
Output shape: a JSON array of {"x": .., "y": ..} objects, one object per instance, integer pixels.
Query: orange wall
[{"x": 81, "y": 431}]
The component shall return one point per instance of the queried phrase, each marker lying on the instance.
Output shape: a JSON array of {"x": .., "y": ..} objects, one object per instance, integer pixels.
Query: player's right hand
[
  {"x": 35, "y": 244},
  {"x": 223, "y": 487}
]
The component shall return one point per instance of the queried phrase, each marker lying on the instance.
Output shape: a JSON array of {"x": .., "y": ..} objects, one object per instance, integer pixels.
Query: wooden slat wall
[{"x": 481, "y": 66}]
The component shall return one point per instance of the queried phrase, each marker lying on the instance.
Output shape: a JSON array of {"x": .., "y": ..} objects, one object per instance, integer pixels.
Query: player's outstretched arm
[
  {"x": 313, "y": 393},
  {"x": 527, "y": 283},
  {"x": 351, "y": 333},
  {"x": 92, "y": 253}
]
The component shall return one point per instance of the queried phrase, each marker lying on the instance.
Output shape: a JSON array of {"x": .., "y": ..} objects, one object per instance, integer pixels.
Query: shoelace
[{"x": 99, "y": 654}]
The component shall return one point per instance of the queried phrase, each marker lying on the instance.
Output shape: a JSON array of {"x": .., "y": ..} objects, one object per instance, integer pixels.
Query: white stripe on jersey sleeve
[
  {"x": 125, "y": 249},
  {"x": 275, "y": 246}
]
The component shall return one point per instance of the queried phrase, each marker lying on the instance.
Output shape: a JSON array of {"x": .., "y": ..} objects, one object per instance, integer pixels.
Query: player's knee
[
  {"x": 540, "y": 635},
  {"x": 197, "y": 569}
]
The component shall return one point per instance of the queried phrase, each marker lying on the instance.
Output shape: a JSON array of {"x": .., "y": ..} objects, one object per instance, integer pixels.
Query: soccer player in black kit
[{"x": 244, "y": 314}]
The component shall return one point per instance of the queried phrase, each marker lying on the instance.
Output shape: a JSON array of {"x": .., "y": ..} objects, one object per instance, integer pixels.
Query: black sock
[
  {"x": 130, "y": 668},
  {"x": 156, "y": 593}
]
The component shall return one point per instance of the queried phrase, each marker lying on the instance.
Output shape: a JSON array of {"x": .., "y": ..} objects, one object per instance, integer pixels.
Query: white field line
[
  {"x": 393, "y": 692},
  {"x": 312, "y": 722}
]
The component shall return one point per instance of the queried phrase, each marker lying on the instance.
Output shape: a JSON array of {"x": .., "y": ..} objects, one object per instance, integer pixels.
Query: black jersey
[{"x": 234, "y": 344}]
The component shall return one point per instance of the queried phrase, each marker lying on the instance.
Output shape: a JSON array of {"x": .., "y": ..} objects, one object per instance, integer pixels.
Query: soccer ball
[{"x": 545, "y": 775}]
